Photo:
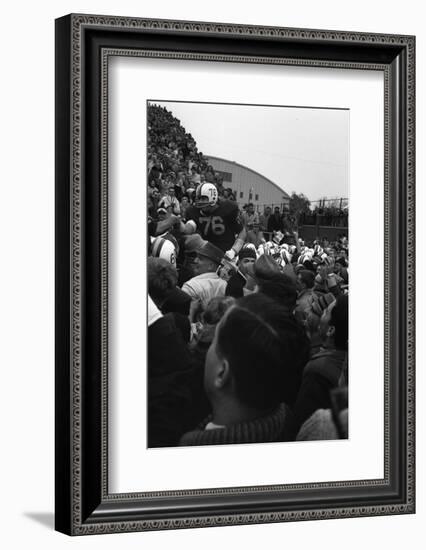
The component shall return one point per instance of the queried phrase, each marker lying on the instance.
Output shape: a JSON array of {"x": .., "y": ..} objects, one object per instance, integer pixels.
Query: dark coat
[
  {"x": 320, "y": 375},
  {"x": 177, "y": 301},
  {"x": 275, "y": 223},
  {"x": 169, "y": 388}
]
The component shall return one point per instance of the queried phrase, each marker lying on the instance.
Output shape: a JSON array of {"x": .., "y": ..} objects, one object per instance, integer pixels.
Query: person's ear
[
  {"x": 331, "y": 331},
  {"x": 223, "y": 374}
]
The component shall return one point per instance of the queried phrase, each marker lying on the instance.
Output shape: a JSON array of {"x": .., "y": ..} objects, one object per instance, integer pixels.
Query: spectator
[
  {"x": 169, "y": 378},
  {"x": 274, "y": 283},
  {"x": 254, "y": 236},
  {"x": 264, "y": 218},
  {"x": 206, "y": 284},
  {"x": 162, "y": 280},
  {"x": 305, "y": 296},
  {"x": 155, "y": 198},
  {"x": 324, "y": 369},
  {"x": 155, "y": 172},
  {"x": 242, "y": 281},
  {"x": 247, "y": 367},
  {"x": 328, "y": 423},
  {"x": 199, "y": 346},
  {"x": 184, "y": 204},
  {"x": 327, "y": 281},
  {"x": 191, "y": 244},
  {"x": 170, "y": 201},
  {"x": 195, "y": 176},
  {"x": 210, "y": 174},
  {"x": 250, "y": 217},
  {"x": 275, "y": 222}
]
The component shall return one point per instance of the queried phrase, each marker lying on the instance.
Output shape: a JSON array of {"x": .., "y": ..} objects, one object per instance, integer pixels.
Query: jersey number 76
[{"x": 214, "y": 222}]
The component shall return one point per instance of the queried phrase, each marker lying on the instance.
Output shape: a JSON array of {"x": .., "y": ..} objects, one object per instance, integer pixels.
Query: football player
[{"x": 217, "y": 220}]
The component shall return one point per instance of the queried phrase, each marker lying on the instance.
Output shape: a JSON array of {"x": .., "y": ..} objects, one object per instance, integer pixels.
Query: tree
[{"x": 298, "y": 204}]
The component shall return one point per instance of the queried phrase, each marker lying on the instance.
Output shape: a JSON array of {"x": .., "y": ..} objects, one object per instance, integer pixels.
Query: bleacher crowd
[{"x": 247, "y": 322}]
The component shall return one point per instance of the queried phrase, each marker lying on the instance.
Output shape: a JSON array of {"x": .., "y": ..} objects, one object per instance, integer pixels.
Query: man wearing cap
[{"x": 206, "y": 284}]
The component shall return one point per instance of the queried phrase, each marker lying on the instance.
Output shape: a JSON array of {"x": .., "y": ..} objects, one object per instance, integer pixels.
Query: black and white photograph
[
  {"x": 211, "y": 179},
  {"x": 248, "y": 273}
]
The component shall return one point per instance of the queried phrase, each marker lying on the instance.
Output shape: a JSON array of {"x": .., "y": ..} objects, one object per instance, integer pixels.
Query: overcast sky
[{"x": 305, "y": 150}]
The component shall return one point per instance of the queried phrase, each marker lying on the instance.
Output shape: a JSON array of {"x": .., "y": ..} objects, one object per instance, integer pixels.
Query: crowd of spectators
[
  {"x": 175, "y": 166},
  {"x": 244, "y": 350},
  {"x": 332, "y": 216}
]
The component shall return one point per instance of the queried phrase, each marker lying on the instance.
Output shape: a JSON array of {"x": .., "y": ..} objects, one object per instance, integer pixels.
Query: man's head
[
  {"x": 257, "y": 353},
  {"x": 250, "y": 208},
  {"x": 206, "y": 196},
  {"x": 334, "y": 323},
  {"x": 162, "y": 279},
  {"x": 208, "y": 258},
  {"x": 277, "y": 211},
  {"x": 305, "y": 279},
  {"x": 171, "y": 190},
  {"x": 267, "y": 210},
  {"x": 246, "y": 259}
]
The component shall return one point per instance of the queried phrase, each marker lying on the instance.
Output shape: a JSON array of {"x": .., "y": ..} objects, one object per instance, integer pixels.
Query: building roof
[{"x": 287, "y": 196}]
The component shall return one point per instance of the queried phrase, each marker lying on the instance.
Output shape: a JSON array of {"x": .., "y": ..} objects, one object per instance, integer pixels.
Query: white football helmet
[
  {"x": 206, "y": 195},
  {"x": 164, "y": 248}
]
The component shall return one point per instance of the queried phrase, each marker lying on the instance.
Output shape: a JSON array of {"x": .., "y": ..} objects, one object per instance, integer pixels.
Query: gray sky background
[{"x": 305, "y": 150}]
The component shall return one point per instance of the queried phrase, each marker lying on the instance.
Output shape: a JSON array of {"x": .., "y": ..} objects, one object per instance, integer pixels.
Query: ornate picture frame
[{"x": 84, "y": 44}]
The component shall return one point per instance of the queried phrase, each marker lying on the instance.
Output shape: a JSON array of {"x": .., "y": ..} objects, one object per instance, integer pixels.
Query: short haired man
[
  {"x": 250, "y": 217},
  {"x": 324, "y": 369},
  {"x": 275, "y": 222},
  {"x": 162, "y": 280},
  {"x": 305, "y": 284},
  {"x": 263, "y": 219},
  {"x": 170, "y": 201},
  {"x": 248, "y": 367},
  {"x": 242, "y": 281}
]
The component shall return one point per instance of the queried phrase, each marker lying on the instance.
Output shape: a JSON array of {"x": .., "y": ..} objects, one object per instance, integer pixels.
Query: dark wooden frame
[{"x": 83, "y": 45}]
